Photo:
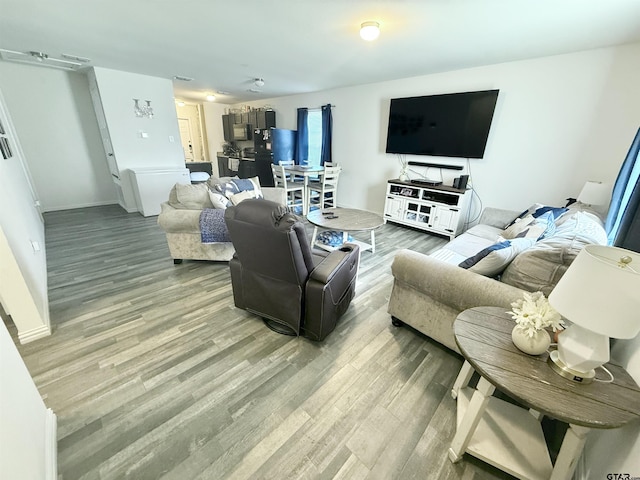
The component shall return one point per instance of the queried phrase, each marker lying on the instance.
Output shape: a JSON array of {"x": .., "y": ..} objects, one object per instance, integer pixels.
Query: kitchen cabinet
[
  {"x": 256, "y": 118},
  {"x": 227, "y": 128}
]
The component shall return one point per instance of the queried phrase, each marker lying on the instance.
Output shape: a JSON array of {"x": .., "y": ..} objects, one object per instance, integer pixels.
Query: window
[{"x": 314, "y": 125}]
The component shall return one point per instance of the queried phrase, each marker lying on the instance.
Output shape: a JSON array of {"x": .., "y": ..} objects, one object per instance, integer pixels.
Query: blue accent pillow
[
  {"x": 332, "y": 238},
  {"x": 556, "y": 212},
  {"x": 494, "y": 259},
  {"x": 471, "y": 261},
  {"x": 237, "y": 185},
  {"x": 538, "y": 209}
]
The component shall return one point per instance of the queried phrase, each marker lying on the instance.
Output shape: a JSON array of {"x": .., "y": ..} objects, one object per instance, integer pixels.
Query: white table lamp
[
  {"x": 595, "y": 194},
  {"x": 600, "y": 295}
]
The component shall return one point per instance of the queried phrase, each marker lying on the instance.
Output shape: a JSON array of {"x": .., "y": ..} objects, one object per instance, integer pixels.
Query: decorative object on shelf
[
  {"x": 369, "y": 31},
  {"x": 144, "y": 110},
  {"x": 404, "y": 175},
  {"x": 598, "y": 294},
  {"x": 533, "y": 314}
]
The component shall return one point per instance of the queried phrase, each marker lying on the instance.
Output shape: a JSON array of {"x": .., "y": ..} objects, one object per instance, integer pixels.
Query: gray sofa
[
  {"x": 430, "y": 291},
  {"x": 180, "y": 219}
]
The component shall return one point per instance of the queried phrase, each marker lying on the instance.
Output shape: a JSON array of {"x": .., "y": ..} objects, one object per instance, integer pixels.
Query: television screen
[{"x": 449, "y": 125}]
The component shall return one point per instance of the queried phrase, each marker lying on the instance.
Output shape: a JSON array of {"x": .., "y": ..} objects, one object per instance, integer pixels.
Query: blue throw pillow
[
  {"x": 237, "y": 185},
  {"x": 556, "y": 212},
  {"x": 494, "y": 259},
  {"x": 538, "y": 209}
]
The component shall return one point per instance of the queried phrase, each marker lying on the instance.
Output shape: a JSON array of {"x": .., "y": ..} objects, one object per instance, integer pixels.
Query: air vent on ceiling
[
  {"x": 184, "y": 79},
  {"x": 77, "y": 58},
  {"x": 39, "y": 58}
]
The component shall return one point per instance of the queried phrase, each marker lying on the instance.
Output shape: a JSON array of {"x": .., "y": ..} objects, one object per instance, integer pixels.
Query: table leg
[
  {"x": 373, "y": 242},
  {"x": 313, "y": 237},
  {"x": 471, "y": 419},
  {"x": 570, "y": 451},
  {"x": 305, "y": 195},
  {"x": 463, "y": 379}
]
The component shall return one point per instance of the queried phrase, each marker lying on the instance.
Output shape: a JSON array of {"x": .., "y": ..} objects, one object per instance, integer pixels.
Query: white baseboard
[
  {"x": 34, "y": 334},
  {"x": 51, "y": 445},
  {"x": 57, "y": 208}
]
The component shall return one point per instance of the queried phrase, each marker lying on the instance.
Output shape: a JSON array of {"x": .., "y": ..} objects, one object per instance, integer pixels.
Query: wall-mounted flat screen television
[{"x": 449, "y": 125}]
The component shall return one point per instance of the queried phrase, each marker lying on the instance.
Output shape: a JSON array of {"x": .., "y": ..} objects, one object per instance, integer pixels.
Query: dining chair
[
  {"x": 294, "y": 191},
  {"x": 291, "y": 176},
  {"x": 324, "y": 193}
]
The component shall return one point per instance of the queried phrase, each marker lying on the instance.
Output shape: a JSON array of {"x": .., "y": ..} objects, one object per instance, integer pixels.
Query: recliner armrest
[{"x": 332, "y": 263}]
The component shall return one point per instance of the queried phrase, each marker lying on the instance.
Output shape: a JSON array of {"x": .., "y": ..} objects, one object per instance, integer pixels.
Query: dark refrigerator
[{"x": 272, "y": 145}]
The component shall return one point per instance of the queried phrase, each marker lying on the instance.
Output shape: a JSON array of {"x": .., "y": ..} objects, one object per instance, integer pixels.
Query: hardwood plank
[{"x": 153, "y": 373}]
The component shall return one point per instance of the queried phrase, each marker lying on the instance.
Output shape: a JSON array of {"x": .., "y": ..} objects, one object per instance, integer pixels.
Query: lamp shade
[
  {"x": 595, "y": 193},
  {"x": 600, "y": 291}
]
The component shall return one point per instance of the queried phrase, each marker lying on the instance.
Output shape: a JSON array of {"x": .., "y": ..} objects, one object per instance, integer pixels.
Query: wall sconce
[{"x": 144, "y": 110}]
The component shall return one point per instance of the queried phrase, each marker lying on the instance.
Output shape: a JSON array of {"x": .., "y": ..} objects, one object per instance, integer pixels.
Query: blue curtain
[
  {"x": 623, "y": 220},
  {"x": 327, "y": 125},
  {"x": 302, "y": 145}
]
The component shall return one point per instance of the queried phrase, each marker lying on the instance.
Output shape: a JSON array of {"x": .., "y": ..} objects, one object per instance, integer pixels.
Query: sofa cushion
[
  {"x": 189, "y": 197},
  {"x": 541, "y": 266},
  {"x": 494, "y": 259}
]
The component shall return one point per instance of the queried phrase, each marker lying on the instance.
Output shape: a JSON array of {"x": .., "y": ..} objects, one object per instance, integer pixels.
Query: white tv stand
[{"x": 438, "y": 209}]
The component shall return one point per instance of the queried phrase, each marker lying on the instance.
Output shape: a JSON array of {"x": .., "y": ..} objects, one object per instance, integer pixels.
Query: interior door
[{"x": 186, "y": 138}]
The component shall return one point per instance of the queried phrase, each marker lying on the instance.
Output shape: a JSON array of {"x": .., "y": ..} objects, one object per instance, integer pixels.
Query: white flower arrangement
[{"x": 533, "y": 313}]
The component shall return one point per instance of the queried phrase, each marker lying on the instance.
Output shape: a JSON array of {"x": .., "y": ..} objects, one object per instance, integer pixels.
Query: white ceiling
[{"x": 301, "y": 46}]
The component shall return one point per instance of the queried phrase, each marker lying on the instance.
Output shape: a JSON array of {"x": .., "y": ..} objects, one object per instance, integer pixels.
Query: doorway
[{"x": 192, "y": 132}]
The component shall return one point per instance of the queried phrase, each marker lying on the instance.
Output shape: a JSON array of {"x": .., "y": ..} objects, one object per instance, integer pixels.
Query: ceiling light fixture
[
  {"x": 211, "y": 97},
  {"x": 259, "y": 82},
  {"x": 369, "y": 31}
]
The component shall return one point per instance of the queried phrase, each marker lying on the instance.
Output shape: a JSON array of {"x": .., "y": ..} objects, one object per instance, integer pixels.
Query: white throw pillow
[
  {"x": 519, "y": 226},
  {"x": 218, "y": 200},
  {"x": 239, "y": 197},
  {"x": 494, "y": 259}
]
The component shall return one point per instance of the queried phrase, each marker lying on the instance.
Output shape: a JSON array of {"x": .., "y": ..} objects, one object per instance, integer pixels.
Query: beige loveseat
[
  {"x": 430, "y": 291},
  {"x": 180, "y": 219}
]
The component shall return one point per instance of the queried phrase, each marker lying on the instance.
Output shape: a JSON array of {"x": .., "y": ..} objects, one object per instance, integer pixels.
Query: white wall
[
  {"x": 23, "y": 269},
  {"x": 161, "y": 147},
  {"x": 559, "y": 121},
  {"x": 616, "y": 451},
  {"x": 213, "y": 122},
  {"x": 54, "y": 117},
  {"x": 27, "y": 427}
]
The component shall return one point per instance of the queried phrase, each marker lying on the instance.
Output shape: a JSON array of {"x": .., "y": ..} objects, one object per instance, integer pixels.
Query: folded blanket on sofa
[{"x": 213, "y": 228}]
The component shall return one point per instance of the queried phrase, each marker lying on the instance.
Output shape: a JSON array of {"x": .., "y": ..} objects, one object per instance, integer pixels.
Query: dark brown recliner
[{"x": 275, "y": 275}]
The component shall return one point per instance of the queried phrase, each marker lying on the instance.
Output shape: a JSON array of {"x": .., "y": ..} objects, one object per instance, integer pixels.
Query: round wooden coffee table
[{"x": 345, "y": 220}]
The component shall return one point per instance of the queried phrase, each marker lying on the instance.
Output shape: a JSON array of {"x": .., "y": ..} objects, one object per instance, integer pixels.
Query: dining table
[{"x": 306, "y": 172}]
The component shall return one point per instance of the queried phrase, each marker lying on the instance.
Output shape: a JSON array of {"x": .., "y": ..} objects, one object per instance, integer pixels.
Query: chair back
[
  {"x": 330, "y": 177},
  {"x": 275, "y": 256},
  {"x": 279, "y": 176}
]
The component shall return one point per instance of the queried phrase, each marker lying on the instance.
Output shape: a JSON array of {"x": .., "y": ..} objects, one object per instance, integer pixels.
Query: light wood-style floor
[{"x": 153, "y": 373}]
